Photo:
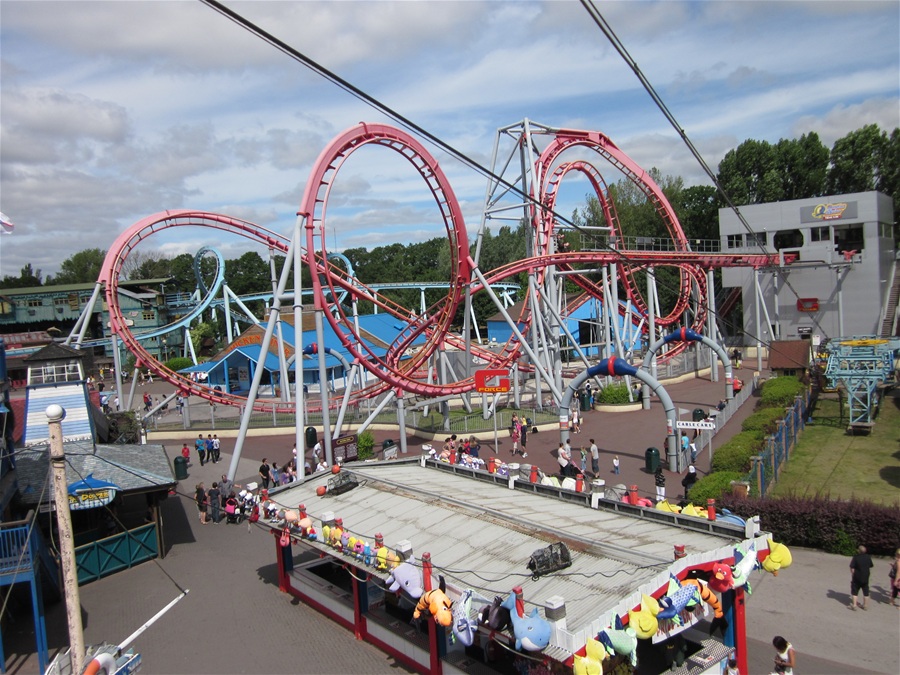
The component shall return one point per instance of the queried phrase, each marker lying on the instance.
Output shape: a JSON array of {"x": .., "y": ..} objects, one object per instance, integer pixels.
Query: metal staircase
[{"x": 888, "y": 325}]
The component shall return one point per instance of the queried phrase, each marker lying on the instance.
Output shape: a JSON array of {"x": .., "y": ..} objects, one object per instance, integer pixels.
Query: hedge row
[
  {"x": 780, "y": 392},
  {"x": 735, "y": 454},
  {"x": 764, "y": 421},
  {"x": 821, "y": 523},
  {"x": 713, "y": 486}
]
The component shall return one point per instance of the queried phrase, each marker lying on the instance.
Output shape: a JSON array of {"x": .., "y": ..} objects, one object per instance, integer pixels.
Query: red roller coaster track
[{"x": 404, "y": 365}]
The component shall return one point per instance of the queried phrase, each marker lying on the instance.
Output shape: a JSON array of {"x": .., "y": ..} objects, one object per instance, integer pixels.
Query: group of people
[
  {"x": 272, "y": 475},
  {"x": 208, "y": 449},
  {"x": 224, "y": 497},
  {"x": 459, "y": 451}
]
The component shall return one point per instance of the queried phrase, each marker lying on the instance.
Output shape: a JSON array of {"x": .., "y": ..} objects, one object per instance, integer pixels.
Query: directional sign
[{"x": 694, "y": 425}]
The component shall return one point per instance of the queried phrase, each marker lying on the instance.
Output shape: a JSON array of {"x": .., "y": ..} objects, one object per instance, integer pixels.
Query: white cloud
[{"x": 112, "y": 111}]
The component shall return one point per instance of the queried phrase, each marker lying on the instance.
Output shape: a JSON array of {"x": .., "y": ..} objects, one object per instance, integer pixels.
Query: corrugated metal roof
[
  {"x": 131, "y": 467},
  {"x": 76, "y": 425},
  {"x": 481, "y": 535}
]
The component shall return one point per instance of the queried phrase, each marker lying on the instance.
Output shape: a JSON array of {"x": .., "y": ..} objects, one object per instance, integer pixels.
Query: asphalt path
[{"x": 235, "y": 620}]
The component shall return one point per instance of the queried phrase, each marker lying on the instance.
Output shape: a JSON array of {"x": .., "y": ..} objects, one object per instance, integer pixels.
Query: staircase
[{"x": 890, "y": 308}]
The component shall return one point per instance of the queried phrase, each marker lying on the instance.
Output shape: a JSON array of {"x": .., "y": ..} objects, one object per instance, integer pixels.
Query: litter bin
[
  {"x": 388, "y": 443},
  {"x": 180, "y": 468},
  {"x": 312, "y": 437},
  {"x": 585, "y": 401},
  {"x": 651, "y": 458},
  {"x": 698, "y": 415}
]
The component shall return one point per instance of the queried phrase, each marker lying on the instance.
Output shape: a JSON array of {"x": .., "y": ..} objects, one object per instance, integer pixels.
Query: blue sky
[{"x": 113, "y": 111}]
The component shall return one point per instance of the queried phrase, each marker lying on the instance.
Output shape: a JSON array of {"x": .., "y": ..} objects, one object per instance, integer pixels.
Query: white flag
[{"x": 6, "y": 225}]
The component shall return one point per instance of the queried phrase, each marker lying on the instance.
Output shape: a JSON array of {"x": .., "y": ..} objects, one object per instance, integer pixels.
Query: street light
[{"x": 165, "y": 350}]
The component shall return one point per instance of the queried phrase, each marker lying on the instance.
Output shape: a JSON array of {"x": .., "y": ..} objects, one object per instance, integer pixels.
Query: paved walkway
[{"x": 234, "y": 620}]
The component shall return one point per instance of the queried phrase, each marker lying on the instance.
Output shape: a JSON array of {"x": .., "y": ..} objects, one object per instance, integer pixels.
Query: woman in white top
[{"x": 784, "y": 656}]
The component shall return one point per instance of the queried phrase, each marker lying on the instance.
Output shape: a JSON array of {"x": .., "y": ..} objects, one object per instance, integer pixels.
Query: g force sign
[{"x": 490, "y": 381}]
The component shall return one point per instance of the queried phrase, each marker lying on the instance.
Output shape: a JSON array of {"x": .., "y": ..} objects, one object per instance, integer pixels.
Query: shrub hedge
[
  {"x": 613, "y": 394},
  {"x": 780, "y": 392},
  {"x": 713, "y": 486},
  {"x": 735, "y": 454},
  {"x": 822, "y": 523},
  {"x": 764, "y": 421}
]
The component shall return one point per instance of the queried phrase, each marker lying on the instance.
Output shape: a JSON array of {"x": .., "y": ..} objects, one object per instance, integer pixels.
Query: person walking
[
  {"x": 576, "y": 420},
  {"x": 894, "y": 576},
  {"x": 201, "y": 499},
  {"x": 660, "y": 480},
  {"x": 784, "y": 656},
  {"x": 523, "y": 431},
  {"x": 217, "y": 448},
  {"x": 563, "y": 457},
  {"x": 595, "y": 458},
  {"x": 616, "y": 465},
  {"x": 689, "y": 479},
  {"x": 514, "y": 432},
  {"x": 860, "y": 566},
  {"x": 200, "y": 444}
]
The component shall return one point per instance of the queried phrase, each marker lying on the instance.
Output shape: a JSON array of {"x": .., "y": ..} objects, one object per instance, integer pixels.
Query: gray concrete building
[{"x": 843, "y": 282}]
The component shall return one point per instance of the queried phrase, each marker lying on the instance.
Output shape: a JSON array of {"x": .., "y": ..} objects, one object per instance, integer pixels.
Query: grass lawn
[{"x": 828, "y": 461}]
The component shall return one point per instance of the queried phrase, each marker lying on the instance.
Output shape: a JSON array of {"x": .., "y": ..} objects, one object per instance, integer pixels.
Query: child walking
[{"x": 616, "y": 465}]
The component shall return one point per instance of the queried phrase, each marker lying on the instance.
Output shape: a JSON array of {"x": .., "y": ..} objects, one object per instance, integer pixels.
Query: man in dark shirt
[
  {"x": 264, "y": 474},
  {"x": 860, "y": 565}
]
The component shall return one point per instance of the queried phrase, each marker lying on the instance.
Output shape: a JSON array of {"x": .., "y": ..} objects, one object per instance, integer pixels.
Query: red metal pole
[
  {"x": 711, "y": 509},
  {"x": 633, "y": 494},
  {"x": 579, "y": 483},
  {"x": 534, "y": 474},
  {"x": 740, "y": 630}
]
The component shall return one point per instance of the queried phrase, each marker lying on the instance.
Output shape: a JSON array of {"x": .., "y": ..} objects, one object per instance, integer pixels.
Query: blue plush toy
[{"x": 531, "y": 632}]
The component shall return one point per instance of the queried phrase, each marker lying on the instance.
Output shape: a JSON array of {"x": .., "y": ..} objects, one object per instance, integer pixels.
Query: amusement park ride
[{"x": 543, "y": 157}]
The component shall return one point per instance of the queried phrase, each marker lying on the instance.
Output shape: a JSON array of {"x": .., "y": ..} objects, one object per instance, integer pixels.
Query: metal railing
[{"x": 766, "y": 467}]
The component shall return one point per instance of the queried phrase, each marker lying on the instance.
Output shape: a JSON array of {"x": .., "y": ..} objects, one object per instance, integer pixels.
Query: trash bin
[
  {"x": 651, "y": 457},
  {"x": 698, "y": 415},
  {"x": 388, "y": 443},
  {"x": 181, "y": 472},
  {"x": 312, "y": 437},
  {"x": 585, "y": 401}
]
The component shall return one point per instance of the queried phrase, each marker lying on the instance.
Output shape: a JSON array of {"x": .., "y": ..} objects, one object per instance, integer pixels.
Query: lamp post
[
  {"x": 55, "y": 414},
  {"x": 165, "y": 349}
]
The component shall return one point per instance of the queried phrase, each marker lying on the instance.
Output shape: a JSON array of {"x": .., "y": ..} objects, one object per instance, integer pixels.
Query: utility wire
[
  {"x": 607, "y": 30},
  {"x": 345, "y": 85}
]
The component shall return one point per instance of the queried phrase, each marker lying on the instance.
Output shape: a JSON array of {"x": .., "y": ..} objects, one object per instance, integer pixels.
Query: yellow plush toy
[
  {"x": 779, "y": 558},
  {"x": 591, "y": 663},
  {"x": 644, "y": 621}
]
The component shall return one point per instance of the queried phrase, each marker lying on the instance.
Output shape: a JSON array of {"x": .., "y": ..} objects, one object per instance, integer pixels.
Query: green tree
[
  {"x": 750, "y": 174},
  {"x": 201, "y": 331},
  {"x": 248, "y": 274},
  {"x": 698, "y": 212},
  {"x": 803, "y": 164},
  {"x": 28, "y": 278},
  {"x": 855, "y": 161},
  {"x": 81, "y": 268}
]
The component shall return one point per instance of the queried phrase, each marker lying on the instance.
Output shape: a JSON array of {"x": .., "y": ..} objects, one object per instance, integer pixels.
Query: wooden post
[{"x": 55, "y": 415}]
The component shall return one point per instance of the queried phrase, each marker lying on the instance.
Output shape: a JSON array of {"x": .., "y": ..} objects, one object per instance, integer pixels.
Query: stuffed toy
[
  {"x": 495, "y": 616},
  {"x": 381, "y": 561},
  {"x": 744, "y": 563},
  {"x": 676, "y": 600},
  {"x": 531, "y": 632},
  {"x": 644, "y": 621},
  {"x": 464, "y": 627},
  {"x": 406, "y": 577},
  {"x": 722, "y": 578},
  {"x": 437, "y": 603},
  {"x": 779, "y": 558},
  {"x": 719, "y": 622},
  {"x": 592, "y": 662},
  {"x": 620, "y": 640}
]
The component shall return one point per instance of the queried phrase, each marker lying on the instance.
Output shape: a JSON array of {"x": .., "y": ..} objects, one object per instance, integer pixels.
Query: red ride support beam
[
  {"x": 284, "y": 582},
  {"x": 435, "y": 655},
  {"x": 740, "y": 630}
]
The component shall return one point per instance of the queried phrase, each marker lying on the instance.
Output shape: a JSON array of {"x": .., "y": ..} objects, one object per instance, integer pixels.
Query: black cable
[
  {"x": 413, "y": 127},
  {"x": 607, "y": 30}
]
